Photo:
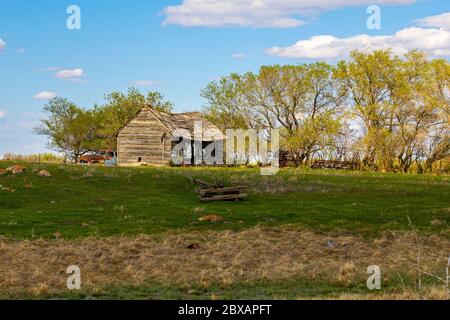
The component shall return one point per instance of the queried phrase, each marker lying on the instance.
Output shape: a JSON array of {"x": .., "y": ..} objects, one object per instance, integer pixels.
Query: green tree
[
  {"x": 225, "y": 106},
  {"x": 121, "y": 108},
  {"x": 305, "y": 101},
  {"x": 369, "y": 78},
  {"x": 70, "y": 129},
  {"x": 438, "y": 140},
  {"x": 416, "y": 112},
  {"x": 403, "y": 105}
]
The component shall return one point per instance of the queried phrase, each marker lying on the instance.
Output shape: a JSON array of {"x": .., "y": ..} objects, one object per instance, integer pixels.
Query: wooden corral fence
[
  {"x": 287, "y": 158},
  {"x": 334, "y": 164}
]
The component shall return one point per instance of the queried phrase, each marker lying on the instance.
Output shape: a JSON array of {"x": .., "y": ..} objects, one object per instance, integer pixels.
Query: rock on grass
[{"x": 44, "y": 174}]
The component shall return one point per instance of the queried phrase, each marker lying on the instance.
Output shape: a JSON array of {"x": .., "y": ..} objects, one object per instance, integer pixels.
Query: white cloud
[
  {"x": 436, "y": 42},
  {"x": 238, "y": 56},
  {"x": 20, "y": 51},
  {"x": 3, "y": 114},
  {"x": 145, "y": 83},
  {"x": 255, "y": 13},
  {"x": 69, "y": 73},
  {"x": 2, "y": 44},
  {"x": 438, "y": 21},
  {"x": 45, "y": 95}
]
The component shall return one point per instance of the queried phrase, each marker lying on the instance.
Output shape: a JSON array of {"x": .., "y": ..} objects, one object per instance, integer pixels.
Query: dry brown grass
[
  {"x": 429, "y": 293},
  {"x": 224, "y": 257}
]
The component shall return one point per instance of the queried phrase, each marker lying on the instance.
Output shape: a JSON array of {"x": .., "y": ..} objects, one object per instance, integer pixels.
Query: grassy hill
[
  {"x": 129, "y": 227},
  {"x": 95, "y": 201}
]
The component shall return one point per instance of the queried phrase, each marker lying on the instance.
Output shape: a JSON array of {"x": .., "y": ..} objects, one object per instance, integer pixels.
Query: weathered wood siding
[{"x": 145, "y": 138}]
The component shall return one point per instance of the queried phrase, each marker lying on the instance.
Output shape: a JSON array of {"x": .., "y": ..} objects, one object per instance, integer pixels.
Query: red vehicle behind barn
[{"x": 100, "y": 157}]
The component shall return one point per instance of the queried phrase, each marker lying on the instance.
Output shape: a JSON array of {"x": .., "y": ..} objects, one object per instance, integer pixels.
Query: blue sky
[{"x": 177, "y": 47}]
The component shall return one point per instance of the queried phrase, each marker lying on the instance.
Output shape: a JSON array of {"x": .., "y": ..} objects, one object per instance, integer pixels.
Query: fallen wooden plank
[
  {"x": 207, "y": 185},
  {"x": 203, "y": 183},
  {"x": 218, "y": 193},
  {"x": 224, "y": 197},
  {"x": 226, "y": 190}
]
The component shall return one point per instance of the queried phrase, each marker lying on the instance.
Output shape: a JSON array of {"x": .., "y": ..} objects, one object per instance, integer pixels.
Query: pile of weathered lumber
[{"x": 217, "y": 192}]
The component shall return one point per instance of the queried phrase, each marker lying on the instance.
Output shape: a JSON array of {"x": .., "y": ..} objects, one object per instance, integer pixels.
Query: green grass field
[
  {"x": 81, "y": 202},
  {"x": 96, "y": 201}
]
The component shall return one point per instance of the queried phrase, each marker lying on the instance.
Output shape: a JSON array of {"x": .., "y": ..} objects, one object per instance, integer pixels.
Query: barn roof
[{"x": 186, "y": 121}]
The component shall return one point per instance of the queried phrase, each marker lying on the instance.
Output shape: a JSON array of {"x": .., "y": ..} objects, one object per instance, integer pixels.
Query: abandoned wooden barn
[{"x": 150, "y": 136}]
